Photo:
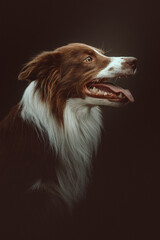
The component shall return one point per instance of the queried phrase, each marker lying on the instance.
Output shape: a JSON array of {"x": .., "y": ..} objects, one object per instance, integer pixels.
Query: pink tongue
[{"x": 117, "y": 89}]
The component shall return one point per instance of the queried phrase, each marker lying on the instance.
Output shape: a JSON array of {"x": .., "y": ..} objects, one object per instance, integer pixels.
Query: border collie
[{"x": 49, "y": 138}]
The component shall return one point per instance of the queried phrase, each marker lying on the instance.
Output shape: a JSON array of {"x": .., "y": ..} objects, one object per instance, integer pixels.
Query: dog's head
[{"x": 79, "y": 71}]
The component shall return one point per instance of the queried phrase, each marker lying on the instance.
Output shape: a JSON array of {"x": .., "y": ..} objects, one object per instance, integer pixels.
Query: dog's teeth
[
  {"x": 97, "y": 91},
  {"x": 120, "y": 95},
  {"x": 101, "y": 92},
  {"x": 94, "y": 89}
]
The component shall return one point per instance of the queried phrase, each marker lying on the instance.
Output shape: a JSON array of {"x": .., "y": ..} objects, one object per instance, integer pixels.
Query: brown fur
[{"x": 62, "y": 74}]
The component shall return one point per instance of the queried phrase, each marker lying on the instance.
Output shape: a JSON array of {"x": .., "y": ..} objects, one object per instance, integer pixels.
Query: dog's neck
[{"x": 74, "y": 143}]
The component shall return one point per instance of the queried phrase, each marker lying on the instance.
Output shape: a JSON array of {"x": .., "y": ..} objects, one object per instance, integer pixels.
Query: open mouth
[{"x": 103, "y": 88}]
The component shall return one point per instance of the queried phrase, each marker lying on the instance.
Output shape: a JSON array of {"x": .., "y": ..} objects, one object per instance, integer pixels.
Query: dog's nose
[{"x": 132, "y": 62}]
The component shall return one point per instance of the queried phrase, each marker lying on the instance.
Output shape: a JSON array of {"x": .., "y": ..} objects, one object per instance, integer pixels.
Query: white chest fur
[{"x": 75, "y": 143}]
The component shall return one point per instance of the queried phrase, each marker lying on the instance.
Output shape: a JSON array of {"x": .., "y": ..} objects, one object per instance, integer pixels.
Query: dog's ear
[{"x": 40, "y": 66}]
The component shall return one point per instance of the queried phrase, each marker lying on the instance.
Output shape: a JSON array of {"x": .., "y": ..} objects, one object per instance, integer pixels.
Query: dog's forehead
[
  {"x": 86, "y": 48},
  {"x": 81, "y": 48}
]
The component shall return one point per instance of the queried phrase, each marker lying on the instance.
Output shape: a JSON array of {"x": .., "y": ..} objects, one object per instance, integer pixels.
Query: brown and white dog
[{"x": 49, "y": 138}]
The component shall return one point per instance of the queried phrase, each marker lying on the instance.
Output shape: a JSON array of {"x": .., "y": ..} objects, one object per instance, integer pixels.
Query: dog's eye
[{"x": 88, "y": 59}]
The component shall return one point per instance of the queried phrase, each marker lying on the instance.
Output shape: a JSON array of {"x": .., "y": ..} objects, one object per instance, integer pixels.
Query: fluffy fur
[
  {"x": 48, "y": 140},
  {"x": 74, "y": 144}
]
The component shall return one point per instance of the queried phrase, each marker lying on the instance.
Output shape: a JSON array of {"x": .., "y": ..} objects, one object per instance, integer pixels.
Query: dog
[{"x": 49, "y": 138}]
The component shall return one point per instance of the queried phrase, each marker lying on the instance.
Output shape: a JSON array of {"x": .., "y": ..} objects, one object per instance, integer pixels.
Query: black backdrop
[{"x": 121, "y": 202}]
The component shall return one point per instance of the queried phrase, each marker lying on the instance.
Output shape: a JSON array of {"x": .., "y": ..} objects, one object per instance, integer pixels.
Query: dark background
[{"x": 122, "y": 201}]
